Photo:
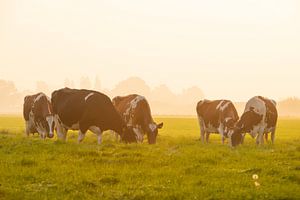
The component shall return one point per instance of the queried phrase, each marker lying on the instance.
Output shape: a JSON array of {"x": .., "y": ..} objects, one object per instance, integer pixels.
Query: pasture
[{"x": 177, "y": 167}]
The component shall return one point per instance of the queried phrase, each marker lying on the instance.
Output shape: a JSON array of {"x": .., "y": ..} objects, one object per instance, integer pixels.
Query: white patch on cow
[
  {"x": 222, "y": 107},
  {"x": 50, "y": 121},
  {"x": 229, "y": 134},
  {"x": 30, "y": 124},
  {"x": 89, "y": 95},
  {"x": 219, "y": 105},
  {"x": 257, "y": 105},
  {"x": 139, "y": 133},
  {"x": 135, "y": 101},
  {"x": 132, "y": 106},
  {"x": 273, "y": 102},
  {"x": 211, "y": 129},
  {"x": 152, "y": 127},
  {"x": 221, "y": 129},
  {"x": 39, "y": 96},
  {"x": 227, "y": 119}
]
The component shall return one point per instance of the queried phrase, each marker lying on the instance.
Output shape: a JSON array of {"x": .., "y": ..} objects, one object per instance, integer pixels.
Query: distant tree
[
  {"x": 85, "y": 83},
  {"x": 10, "y": 99},
  {"x": 191, "y": 95},
  {"x": 289, "y": 107},
  {"x": 130, "y": 86},
  {"x": 163, "y": 94}
]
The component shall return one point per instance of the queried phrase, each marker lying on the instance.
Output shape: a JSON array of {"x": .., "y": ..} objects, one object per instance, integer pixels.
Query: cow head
[
  {"x": 248, "y": 120},
  {"x": 235, "y": 137},
  {"x": 43, "y": 116},
  {"x": 153, "y": 131},
  {"x": 50, "y": 126}
]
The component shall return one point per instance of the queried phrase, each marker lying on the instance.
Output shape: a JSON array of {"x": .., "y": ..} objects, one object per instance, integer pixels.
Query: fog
[{"x": 162, "y": 99}]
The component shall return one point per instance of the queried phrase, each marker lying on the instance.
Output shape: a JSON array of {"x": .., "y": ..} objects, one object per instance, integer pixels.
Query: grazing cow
[
  {"x": 218, "y": 116},
  {"x": 38, "y": 115},
  {"x": 136, "y": 112},
  {"x": 259, "y": 118},
  {"x": 87, "y": 110}
]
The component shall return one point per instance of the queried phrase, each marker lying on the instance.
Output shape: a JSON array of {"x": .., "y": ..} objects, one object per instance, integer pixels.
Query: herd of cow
[{"x": 130, "y": 118}]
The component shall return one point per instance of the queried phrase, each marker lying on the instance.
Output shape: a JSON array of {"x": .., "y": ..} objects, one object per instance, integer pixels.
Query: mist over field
[
  {"x": 162, "y": 99},
  {"x": 174, "y": 53}
]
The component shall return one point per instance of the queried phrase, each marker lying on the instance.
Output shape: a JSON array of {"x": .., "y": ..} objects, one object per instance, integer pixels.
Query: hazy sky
[{"x": 229, "y": 48}]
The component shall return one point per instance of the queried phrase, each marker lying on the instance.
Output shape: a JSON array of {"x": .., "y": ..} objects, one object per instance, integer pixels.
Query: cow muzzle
[{"x": 51, "y": 135}]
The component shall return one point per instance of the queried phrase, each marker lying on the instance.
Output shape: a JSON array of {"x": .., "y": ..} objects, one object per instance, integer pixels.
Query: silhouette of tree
[
  {"x": 133, "y": 85},
  {"x": 85, "y": 83},
  {"x": 10, "y": 99}
]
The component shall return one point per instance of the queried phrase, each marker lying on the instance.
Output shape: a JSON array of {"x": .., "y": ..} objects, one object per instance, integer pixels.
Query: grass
[{"x": 177, "y": 167}]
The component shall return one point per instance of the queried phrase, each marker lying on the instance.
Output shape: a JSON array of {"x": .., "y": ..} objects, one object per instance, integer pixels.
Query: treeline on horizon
[{"x": 162, "y": 100}]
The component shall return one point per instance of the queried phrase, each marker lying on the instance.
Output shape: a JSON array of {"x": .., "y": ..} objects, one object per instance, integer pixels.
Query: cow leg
[
  {"x": 207, "y": 137},
  {"x": 81, "y": 136},
  {"x": 223, "y": 139},
  {"x": 98, "y": 132},
  {"x": 62, "y": 133},
  {"x": 27, "y": 128},
  {"x": 260, "y": 138},
  {"x": 42, "y": 132},
  {"x": 221, "y": 132},
  {"x": 202, "y": 132},
  {"x": 266, "y": 137},
  {"x": 43, "y": 135},
  {"x": 243, "y": 138},
  {"x": 273, "y": 135},
  {"x": 202, "y": 135},
  {"x": 61, "y": 130}
]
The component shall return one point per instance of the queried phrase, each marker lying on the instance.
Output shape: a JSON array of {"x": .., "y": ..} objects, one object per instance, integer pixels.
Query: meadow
[{"x": 179, "y": 166}]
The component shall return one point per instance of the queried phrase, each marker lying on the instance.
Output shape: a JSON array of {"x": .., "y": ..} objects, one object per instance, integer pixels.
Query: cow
[
  {"x": 218, "y": 116},
  {"x": 85, "y": 110},
  {"x": 259, "y": 119},
  {"x": 38, "y": 115},
  {"x": 136, "y": 112}
]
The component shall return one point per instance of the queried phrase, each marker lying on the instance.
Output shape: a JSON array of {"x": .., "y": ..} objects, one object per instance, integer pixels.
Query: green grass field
[{"x": 177, "y": 167}]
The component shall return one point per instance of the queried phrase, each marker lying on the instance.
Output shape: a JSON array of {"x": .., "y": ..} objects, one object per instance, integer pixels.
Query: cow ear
[{"x": 159, "y": 126}]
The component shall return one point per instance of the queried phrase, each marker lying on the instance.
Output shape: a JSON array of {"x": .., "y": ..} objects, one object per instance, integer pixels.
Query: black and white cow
[
  {"x": 87, "y": 110},
  {"x": 259, "y": 118},
  {"x": 218, "y": 116},
  {"x": 136, "y": 112},
  {"x": 38, "y": 115}
]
